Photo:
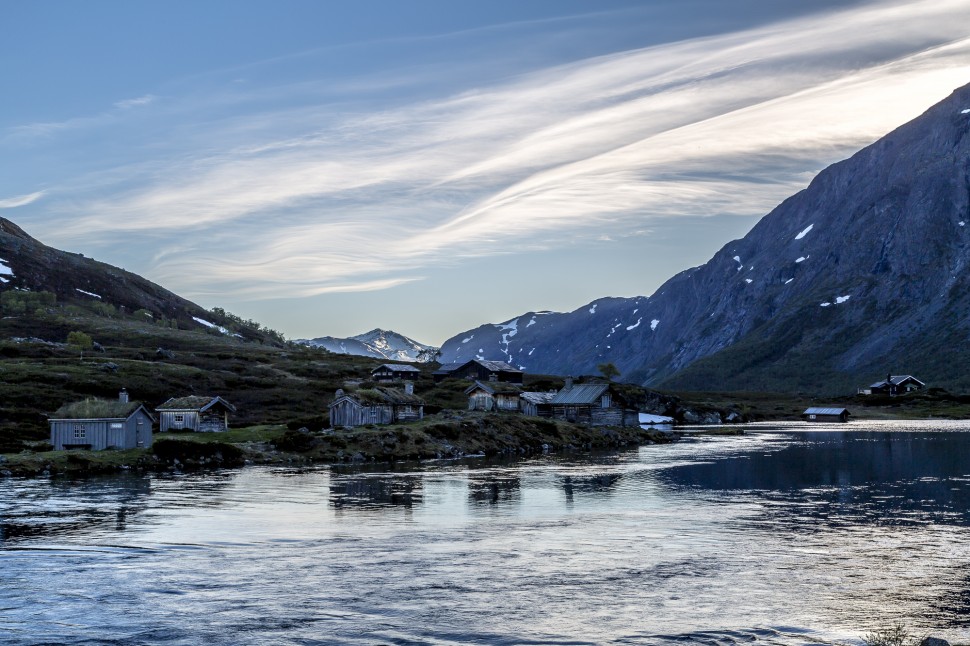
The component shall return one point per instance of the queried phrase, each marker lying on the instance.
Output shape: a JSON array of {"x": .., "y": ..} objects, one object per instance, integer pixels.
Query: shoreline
[{"x": 447, "y": 435}]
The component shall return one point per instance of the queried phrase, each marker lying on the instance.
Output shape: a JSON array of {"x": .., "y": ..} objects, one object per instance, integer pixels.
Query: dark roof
[
  {"x": 97, "y": 409},
  {"x": 895, "y": 380},
  {"x": 448, "y": 367},
  {"x": 494, "y": 388},
  {"x": 195, "y": 403},
  {"x": 494, "y": 366},
  {"x": 824, "y": 411},
  {"x": 580, "y": 394},
  {"x": 395, "y": 367},
  {"x": 381, "y": 395},
  {"x": 538, "y": 398}
]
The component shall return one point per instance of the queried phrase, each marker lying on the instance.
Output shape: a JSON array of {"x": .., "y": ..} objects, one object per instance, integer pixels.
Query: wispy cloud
[
  {"x": 20, "y": 200},
  {"x": 359, "y": 199},
  {"x": 134, "y": 103}
]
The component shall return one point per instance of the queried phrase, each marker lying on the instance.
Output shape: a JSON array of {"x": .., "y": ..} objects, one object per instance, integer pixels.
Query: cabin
[
  {"x": 594, "y": 404},
  {"x": 536, "y": 404},
  {"x": 894, "y": 385},
  {"x": 380, "y": 405},
  {"x": 195, "y": 413},
  {"x": 389, "y": 372},
  {"x": 480, "y": 370},
  {"x": 493, "y": 395},
  {"x": 98, "y": 424},
  {"x": 826, "y": 415}
]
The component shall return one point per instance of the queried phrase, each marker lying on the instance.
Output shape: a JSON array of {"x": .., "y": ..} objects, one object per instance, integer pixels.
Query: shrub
[
  {"x": 295, "y": 441},
  {"x": 896, "y": 635},
  {"x": 188, "y": 450}
]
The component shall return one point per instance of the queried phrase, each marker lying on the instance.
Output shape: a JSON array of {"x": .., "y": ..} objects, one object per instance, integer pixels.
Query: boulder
[
  {"x": 162, "y": 353},
  {"x": 934, "y": 641}
]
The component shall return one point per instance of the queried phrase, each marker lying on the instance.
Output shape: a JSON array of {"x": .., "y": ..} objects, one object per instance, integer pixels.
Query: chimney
[
  {"x": 569, "y": 383},
  {"x": 492, "y": 377},
  {"x": 123, "y": 396},
  {"x": 409, "y": 387},
  {"x": 889, "y": 377},
  {"x": 339, "y": 393}
]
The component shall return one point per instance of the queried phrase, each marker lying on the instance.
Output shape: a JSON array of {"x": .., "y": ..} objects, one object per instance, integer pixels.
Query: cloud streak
[
  {"x": 366, "y": 198},
  {"x": 21, "y": 200}
]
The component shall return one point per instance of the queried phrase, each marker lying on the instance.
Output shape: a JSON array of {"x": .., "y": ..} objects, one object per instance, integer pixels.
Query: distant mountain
[
  {"x": 861, "y": 274},
  {"x": 378, "y": 343}
]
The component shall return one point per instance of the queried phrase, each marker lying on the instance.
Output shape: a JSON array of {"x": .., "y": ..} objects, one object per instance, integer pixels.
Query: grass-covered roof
[{"x": 94, "y": 408}]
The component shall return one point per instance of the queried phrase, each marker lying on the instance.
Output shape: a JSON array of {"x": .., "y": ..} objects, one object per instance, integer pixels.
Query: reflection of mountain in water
[{"x": 868, "y": 477}]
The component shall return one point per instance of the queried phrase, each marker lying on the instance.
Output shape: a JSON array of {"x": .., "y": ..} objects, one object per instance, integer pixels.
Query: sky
[{"x": 326, "y": 168}]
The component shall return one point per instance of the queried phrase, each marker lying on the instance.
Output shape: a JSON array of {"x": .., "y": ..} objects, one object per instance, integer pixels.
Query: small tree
[
  {"x": 608, "y": 370},
  {"x": 80, "y": 341}
]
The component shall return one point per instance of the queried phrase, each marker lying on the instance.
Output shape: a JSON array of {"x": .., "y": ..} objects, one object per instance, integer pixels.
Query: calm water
[{"x": 789, "y": 535}]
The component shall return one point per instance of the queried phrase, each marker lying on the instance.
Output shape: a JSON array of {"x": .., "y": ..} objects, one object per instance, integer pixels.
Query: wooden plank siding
[{"x": 100, "y": 434}]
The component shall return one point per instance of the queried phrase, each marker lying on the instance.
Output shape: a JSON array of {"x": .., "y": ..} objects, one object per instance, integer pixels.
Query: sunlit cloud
[
  {"x": 367, "y": 198},
  {"x": 20, "y": 200}
]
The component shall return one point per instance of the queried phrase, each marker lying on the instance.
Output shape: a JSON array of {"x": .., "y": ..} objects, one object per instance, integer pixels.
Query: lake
[{"x": 790, "y": 534}]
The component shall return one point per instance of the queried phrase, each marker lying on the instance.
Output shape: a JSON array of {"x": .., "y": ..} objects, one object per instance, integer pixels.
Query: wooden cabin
[
  {"x": 826, "y": 415},
  {"x": 480, "y": 370},
  {"x": 894, "y": 385},
  {"x": 389, "y": 372},
  {"x": 380, "y": 405},
  {"x": 536, "y": 404},
  {"x": 195, "y": 413},
  {"x": 493, "y": 395},
  {"x": 97, "y": 424},
  {"x": 595, "y": 404}
]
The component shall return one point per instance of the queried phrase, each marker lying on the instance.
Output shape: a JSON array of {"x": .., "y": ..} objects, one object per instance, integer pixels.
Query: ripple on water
[{"x": 794, "y": 536}]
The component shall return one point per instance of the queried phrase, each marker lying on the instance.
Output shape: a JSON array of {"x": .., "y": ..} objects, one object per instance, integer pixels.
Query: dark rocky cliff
[{"x": 861, "y": 273}]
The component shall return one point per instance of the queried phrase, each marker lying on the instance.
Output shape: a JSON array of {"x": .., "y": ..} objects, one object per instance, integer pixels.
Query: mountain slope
[
  {"x": 28, "y": 266},
  {"x": 378, "y": 343},
  {"x": 861, "y": 273}
]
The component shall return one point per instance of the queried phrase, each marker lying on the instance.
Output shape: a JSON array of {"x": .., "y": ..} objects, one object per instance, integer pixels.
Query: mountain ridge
[{"x": 840, "y": 282}]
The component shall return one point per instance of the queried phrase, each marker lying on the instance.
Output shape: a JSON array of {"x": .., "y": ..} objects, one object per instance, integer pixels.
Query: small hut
[
  {"x": 388, "y": 372},
  {"x": 493, "y": 395},
  {"x": 819, "y": 414},
  {"x": 380, "y": 405},
  {"x": 97, "y": 424},
  {"x": 195, "y": 413},
  {"x": 536, "y": 404},
  {"x": 480, "y": 369},
  {"x": 594, "y": 404}
]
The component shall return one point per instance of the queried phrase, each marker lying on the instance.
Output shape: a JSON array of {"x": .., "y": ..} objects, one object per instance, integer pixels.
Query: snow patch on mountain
[{"x": 804, "y": 232}]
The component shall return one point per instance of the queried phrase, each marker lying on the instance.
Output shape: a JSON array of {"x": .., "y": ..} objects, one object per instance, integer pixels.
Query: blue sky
[{"x": 327, "y": 168}]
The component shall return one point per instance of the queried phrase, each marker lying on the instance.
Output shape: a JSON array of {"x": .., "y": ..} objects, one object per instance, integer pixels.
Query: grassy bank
[{"x": 444, "y": 435}]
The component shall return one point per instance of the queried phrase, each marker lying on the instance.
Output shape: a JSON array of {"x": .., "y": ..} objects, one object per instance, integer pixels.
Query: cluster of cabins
[
  {"x": 97, "y": 424},
  {"x": 495, "y": 386}
]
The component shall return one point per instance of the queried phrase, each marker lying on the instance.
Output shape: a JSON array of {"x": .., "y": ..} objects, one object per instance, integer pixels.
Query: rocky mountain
[
  {"x": 378, "y": 343},
  {"x": 862, "y": 273}
]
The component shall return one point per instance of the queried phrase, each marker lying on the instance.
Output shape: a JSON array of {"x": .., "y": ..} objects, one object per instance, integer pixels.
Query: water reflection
[
  {"x": 788, "y": 538},
  {"x": 376, "y": 490},
  {"x": 81, "y": 506},
  {"x": 846, "y": 478}
]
